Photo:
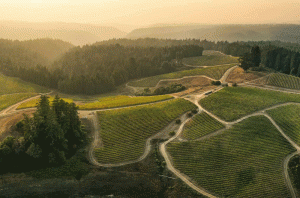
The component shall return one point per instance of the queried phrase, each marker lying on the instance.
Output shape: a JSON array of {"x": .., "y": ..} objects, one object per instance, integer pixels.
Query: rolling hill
[
  {"x": 281, "y": 32},
  {"x": 75, "y": 33}
]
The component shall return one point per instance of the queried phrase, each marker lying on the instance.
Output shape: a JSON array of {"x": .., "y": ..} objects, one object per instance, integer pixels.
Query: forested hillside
[
  {"x": 49, "y": 48},
  {"x": 32, "y": 52},
  {"x": 98, "y": 69}
]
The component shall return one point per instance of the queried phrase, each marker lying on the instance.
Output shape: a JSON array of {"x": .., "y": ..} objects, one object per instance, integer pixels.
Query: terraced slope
[
  {"x": 124, "y": 131},
  {"x": 244, "y": 161},
  {"x": 202, "y": 124},
  {"x": 288, "y": 117},
  {"x": 232, "y": 103},
  {"x": 122, "y": 101},
  {"x": 212, "y": 72}
]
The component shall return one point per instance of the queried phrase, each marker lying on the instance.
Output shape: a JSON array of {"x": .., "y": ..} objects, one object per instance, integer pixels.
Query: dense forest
[{"x": 99, "y": 68}]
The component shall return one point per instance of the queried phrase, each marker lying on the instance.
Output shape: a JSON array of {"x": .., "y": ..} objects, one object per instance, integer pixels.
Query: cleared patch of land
[
  {"x": 10, "y": 99},
  {"x": 210, "y": 59},
  {"x": 202, "y": 124},
  {"x": 194, "y": 81},
  {"x": 232, "y": 103},
  {"x": 122, "y": 101},
  {"x": 238, "y": 75},
  {"x": 212, "y": 72},
  {"x": 9, "y": 85},
  {"x": 7, "y": 123},
  {"x": 288, "y": 117},
  {"x": 244, "y": 161},
  {"x": 125, "y": 131},
  {"x": 33, "y": 103}
]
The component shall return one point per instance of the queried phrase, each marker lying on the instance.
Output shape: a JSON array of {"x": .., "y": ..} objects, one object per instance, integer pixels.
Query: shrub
[
  {"x": 216, "y": 82},
  {"x": 178, "y": 121},
  {"x": 194, "y": 111},
  {"x": 234, "y": 84},
  {"x": 172, "y": 133},
  {"x": 190, "y": 114}
]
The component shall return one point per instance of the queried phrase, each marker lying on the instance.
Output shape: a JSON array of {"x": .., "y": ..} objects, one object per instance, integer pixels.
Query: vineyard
[
  {"x": 287, "y": 117},
  {"x": 284, "y": 81},
  {"x": 33, "y": 103},
  {"x": 202, "y": 124},
  {"x": 121, "y": 101},
  {"x": 124, "y": 131},
  {"x": 10, "y": 99},
  {"x": 244, "y": 161},
  {"x": 9, "y": 85},
  {"x": 232, "y": 103},
  {"x": 212, "y": 72}
]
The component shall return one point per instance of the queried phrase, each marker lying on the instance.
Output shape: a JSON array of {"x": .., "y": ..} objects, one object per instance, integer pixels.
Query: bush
[
  {"x": 234, "y": 84},
  {"x": 172, "y": 133},
  {"x": 190, "y": 114},
  {"x": 178, "y": 121},
  {"x": 216, "y": 82},
  {"x": 194, "y": 111}
]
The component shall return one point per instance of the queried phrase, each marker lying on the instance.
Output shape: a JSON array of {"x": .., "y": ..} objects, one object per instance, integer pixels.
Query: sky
[{"x": 149, "y": 12}]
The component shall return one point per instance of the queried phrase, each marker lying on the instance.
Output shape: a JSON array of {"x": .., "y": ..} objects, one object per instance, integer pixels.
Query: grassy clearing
[
  {"x": 121, "y": 101},
  {"x": 202, "y": 124},
  {"x": 210, "y": 60},
  {"x": 213, "y": 72},
  {"x": 245, "y": 161},
  {"x": 33, "y": 103},
  {"x": 9, "y": 85},
  {"x": 284, "y": 80},
  {"x": 124, "y": 131},
  {"x": 287, "y": 117},
  {"x": 232, "y": 103},
  {"x": 10, "y": 99}
]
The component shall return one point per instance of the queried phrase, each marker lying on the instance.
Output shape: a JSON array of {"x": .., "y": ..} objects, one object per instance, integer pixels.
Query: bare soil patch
[
  {"x": 7, "y": 124},
  {"x": 194, "y": 90},
  {"x": 238, "y": 75}
]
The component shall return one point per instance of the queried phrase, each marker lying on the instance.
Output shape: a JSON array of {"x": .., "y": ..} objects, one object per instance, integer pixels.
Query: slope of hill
[
  {"x": 49, "y": 48},
  {"x": 75, "y": 33},
  {"x": 281, "y": 32}
]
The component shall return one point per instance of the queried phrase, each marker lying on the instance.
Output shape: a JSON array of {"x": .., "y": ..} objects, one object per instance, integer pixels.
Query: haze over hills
[
  {"x": 255, "y": 32},
  {"x": 75, "y": 33}
]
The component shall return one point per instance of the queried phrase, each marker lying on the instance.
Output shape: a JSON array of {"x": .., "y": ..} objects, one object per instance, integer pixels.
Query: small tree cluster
[{"x": 51, "y": 136}]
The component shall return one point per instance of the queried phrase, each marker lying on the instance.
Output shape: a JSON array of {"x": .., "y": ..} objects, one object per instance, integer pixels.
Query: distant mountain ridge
[
  {"x": 75, "y": 33},
  {"x": 231, "y": 33}
]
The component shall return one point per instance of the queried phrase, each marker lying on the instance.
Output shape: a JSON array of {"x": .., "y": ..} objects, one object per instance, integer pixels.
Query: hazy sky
[{"x": 146, "y": 12}]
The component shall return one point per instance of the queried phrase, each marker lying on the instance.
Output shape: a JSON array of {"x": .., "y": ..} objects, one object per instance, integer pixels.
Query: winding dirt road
[{"x": 92, "y": 115}]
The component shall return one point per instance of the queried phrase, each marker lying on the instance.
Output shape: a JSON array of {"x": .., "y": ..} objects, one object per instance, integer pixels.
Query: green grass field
[
  {"x": 33, "y": 103},
  {"x": 10, "y": 99},
  {"x": 284, "y": 81},
  {"x": 288, "y": 117},
  {"x": 210, "y": 60},
  {"x": 121, "y": 101},
  {"x": 232, "y": 103},
  {"x": 124, "y": 131},
  {"x": 202, "y": 124},
  {"x": 9, "y": 85},
  {"x": 213, "y": 72},
  {"x": 244, "y": 161}
]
